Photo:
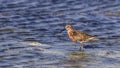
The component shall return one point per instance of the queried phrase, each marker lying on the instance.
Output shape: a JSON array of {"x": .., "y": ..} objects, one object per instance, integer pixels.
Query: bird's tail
[
  {"x": 94, "y": 39},
  {"x": 99, "y": 39}
]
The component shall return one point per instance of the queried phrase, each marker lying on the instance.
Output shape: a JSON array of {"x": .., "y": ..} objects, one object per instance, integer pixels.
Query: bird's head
[{"x": 68, "y": 27}]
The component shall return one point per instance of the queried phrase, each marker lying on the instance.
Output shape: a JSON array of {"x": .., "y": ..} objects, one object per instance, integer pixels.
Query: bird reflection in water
[{"x": 77, "y": 60}]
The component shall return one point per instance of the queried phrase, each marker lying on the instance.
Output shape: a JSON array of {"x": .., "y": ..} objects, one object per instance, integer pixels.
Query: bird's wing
[
  {"x": 77, "y": 35},
  {"x": 81, "y": 36}
]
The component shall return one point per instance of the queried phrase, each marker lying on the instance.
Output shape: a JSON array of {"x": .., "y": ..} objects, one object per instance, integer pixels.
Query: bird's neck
[{"x": 70, "y": 30}]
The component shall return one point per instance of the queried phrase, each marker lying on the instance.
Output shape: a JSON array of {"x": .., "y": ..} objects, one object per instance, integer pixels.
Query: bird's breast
[{"x": 71, "y": 36}]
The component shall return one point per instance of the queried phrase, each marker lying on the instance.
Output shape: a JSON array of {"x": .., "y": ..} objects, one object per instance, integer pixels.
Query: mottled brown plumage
[{"x": 78, "y": 36}]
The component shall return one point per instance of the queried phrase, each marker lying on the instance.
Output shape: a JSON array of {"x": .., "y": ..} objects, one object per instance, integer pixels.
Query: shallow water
[{"x": 32, "y": 33}]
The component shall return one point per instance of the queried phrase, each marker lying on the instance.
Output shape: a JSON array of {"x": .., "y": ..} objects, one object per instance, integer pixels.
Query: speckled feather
[{"x": 78, "y": 36}]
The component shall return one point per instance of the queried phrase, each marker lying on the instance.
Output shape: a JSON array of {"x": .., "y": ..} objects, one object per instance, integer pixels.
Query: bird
[{"x": 78, "y": 36}]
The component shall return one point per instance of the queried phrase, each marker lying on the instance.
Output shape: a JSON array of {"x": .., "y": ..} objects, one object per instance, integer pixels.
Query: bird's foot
[{"x": 81, "y": 49}]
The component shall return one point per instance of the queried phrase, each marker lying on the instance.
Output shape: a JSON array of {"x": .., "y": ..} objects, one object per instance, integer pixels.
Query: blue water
[{"x": 32, "y": 33}]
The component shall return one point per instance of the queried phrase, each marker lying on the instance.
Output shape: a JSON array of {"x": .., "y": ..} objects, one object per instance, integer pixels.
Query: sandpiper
[{"x": 78, "y": 36}]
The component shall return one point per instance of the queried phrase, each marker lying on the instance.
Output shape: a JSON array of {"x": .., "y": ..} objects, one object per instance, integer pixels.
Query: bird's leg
[{"x": 81, "y": 47}]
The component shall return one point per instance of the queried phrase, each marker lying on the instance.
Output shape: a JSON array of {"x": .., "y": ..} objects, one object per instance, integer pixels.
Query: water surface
[{"x": 32, "y": 33}]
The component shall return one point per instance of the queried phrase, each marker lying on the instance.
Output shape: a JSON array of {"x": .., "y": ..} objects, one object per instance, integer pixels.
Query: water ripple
[{"x": 32, "y": 33}]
